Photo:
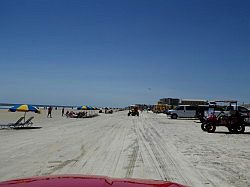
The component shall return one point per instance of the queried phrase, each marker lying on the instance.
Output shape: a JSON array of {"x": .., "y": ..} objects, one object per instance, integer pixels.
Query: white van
[{"x": 183, "y": 111}]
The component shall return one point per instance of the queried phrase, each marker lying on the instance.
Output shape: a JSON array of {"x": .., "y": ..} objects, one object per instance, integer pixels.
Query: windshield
[
  {"x": 179, "y": 108},
  {"x": 122, "y": 89}
]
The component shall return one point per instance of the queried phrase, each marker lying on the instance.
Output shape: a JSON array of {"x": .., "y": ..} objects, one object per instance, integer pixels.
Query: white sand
[{"x": 150, "y": 146}]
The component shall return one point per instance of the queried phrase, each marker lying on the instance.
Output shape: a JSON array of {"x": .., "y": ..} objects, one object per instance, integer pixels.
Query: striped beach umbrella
[
  {"x": 83, "y": 108},
  {"x": 24, "y": 108}
]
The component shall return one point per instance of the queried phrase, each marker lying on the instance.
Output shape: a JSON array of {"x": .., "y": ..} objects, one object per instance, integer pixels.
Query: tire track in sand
[
  {"x": 163, "y": 162},
  {"x": 178, "y": 165}
]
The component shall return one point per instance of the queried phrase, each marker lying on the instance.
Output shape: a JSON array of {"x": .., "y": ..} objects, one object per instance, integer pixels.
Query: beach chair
[
  {"x": 28, "y": 122},
  {"x": 10, "y": 125}
]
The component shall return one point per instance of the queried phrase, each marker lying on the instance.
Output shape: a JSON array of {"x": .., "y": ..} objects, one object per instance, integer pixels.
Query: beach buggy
[
  {"x": 133, "y": 112},
  {"x": 231, "y": 118}
]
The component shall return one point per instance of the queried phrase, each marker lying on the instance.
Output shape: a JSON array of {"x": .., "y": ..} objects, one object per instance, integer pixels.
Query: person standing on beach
[
  {"x": 63, "y": 111},
  {"x": 49, "y": 112}
]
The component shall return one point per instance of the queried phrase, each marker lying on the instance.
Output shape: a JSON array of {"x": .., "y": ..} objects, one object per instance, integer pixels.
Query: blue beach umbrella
[{"x": 90, "y": 108}]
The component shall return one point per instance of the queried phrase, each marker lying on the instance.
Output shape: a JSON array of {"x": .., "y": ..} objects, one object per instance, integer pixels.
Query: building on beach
[
  {"x": 169, "y": 101},
  {"x": 194, "y": 102},
  {"x": 176, "y": 102}
]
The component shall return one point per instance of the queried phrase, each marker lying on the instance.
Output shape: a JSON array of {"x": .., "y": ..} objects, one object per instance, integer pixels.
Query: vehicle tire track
[
  {"x": 164, "y": 163},
  {"x": 176, "y": 169},
  {"x": 132, "y": 160}
]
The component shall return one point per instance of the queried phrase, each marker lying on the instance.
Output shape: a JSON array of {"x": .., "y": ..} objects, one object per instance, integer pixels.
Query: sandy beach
[{"x": 150, "y": 146}]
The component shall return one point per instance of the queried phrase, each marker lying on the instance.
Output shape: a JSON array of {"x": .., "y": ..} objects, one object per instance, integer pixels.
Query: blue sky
[{"x": 116, "y": 53}]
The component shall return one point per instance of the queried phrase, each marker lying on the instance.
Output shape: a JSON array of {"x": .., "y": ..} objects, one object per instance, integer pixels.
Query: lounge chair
[
  {"x": 28, "y": 122},
  {"x": 10, "y": 125}
]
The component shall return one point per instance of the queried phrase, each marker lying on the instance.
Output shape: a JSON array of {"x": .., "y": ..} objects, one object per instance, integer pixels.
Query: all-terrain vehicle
[
  {"x": 203, "y": 111},
  {"x": 232, "y": 119},
  {"x": 133, "y": 112}
]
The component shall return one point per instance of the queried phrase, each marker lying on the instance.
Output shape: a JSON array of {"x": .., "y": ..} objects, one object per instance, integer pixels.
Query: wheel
[
  {"x": 210, "y": 128},
  {"x": 174, "y": 116},
  {"x": 240, "y": 128},
  {"x": 203, "y": 126}
]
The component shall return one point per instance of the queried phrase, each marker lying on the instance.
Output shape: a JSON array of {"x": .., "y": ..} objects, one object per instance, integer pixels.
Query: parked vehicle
[
  {"x": 231, "y": 118},
  {"x": 183, "y": 111},
  {"x": 234, "y": 122},
  {"x": 203, "y": 111},
  {"x": 243, "y": 111},
  {"x": 160, "y": 108}
]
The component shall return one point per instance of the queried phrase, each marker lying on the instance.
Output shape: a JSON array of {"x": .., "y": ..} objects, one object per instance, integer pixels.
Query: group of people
[
  {"x": 50, "y": 112},
  {"x": 70, "y": 114},
  {"x": 75, "y": 115}
]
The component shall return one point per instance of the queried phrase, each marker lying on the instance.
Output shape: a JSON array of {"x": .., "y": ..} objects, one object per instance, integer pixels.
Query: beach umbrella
[
  {"x": 24, "y": 108},
  {"x": 90, "y": 108},
  {"x": 82, "y": 107},
  {"x": 85, "y": 107}
]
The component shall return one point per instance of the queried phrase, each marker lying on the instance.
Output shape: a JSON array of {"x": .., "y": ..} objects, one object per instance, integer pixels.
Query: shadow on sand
[
  {"x": 221, "y": 132},
  {"x": 23, "y": 128}
]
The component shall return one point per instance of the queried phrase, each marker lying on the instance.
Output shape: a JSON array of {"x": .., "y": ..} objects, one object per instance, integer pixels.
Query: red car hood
[{"x": 84, "y": 181}]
